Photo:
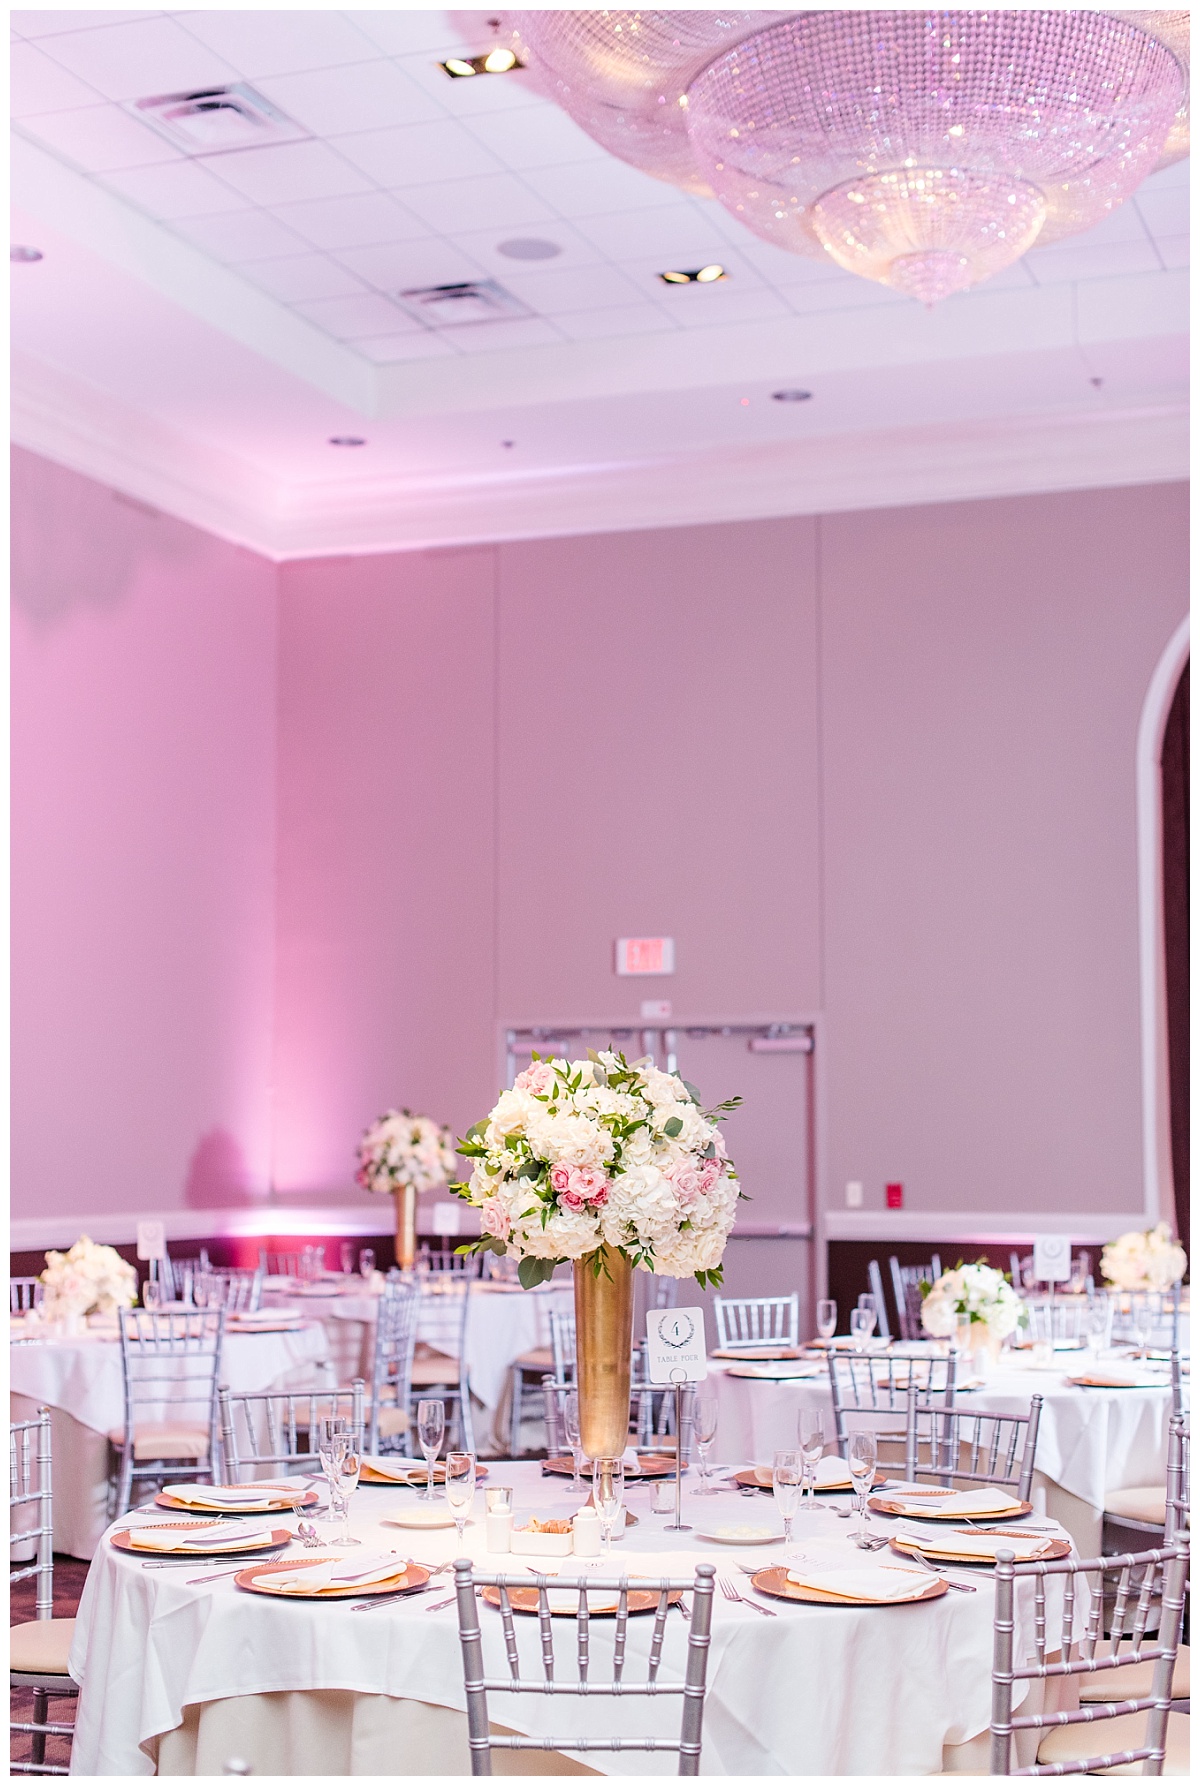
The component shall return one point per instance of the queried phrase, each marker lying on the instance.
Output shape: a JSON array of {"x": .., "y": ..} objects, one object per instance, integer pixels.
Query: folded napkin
[
  {"x": 403, "y": 1469},
  {"x": 833, "y": 1472},
  {"x": 336, "y": 1572},
  {"x": 860, "y": 1584},
  {"x": 214, "y": 1537},
  {"x": 248, "y": 1497},
  {"x": 976, "y": 1544},
  {"x": 971, "y": 1501}
]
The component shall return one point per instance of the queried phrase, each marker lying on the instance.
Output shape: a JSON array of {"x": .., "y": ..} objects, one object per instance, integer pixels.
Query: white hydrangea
[
  {"x": 403, "y": 1149},
  {"x": 975, "y": 1293},
  {"x": 1153, "y": 1260},
  {"x": 87, "y": 1279}
]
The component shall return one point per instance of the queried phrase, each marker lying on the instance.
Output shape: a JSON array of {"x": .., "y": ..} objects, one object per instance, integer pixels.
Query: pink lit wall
[{"x": 143, "y": 752}]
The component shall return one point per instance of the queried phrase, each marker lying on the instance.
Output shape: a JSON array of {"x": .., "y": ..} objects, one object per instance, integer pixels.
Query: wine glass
[
  {"x": 366, "y": 1264},
  {"x": 862, "y": 1326},
  {"x": 460, "y": 1488},
  {"x": 860, "y": 1456},
  {"x": 787, "y": 1481},
  {"x": 333, "y": 1444},
  {"x": 810, "y": 1430},
  {"x": 608, "y": 1492},
  {"x": 573, "y": 1435},
  {"x": 431, "y": 1429},
  {"x": 827, "y": 1318},
  {"x": 346, "y": 1254},
  {"x": 152, "y": 1296},
  {"x": 704, "y": 1430},
  {"x": 1099, "y": 1326}
]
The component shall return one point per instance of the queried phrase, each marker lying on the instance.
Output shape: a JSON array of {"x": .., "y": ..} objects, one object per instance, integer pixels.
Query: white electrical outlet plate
[{"x": 854, "y": 1195}]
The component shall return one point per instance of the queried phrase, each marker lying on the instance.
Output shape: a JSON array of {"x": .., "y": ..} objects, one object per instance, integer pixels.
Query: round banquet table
[
  {"x": 80, "y": 1381},
  {"x": 177, "y": 1674},
  {"x": 1090, "y": 1441}
]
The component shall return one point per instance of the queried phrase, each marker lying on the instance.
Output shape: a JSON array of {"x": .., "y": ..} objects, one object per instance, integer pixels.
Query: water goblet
[
  {"x": 826, "y": 1318},
  {"x": 810, "y": 1430},
  {"x": 346, "y": 1255},
  {"x": 860, "y": 1456},
  {"x": 366, "y": 1264},
  {"x": 573, "y": 1436},
  {"x": 431, "y": 1429},
  {"x": 704, "y": 1430},
  {"x": 460, "y": 1488},
  {"x": 862, "y": 1325},
  {"x": 787, "y": 1481},
  {"x": 608, "y": 1492},
  {"x": 152, "y": 1296},
  {"x": 1099, "y": 1326}
]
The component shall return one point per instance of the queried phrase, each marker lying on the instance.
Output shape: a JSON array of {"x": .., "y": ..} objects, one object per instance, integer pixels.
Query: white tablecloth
[
  {"x": 1090, "y": 1441},
  {"x": 79, "y": 1380},
  {"x": 817, "y": 1690}
]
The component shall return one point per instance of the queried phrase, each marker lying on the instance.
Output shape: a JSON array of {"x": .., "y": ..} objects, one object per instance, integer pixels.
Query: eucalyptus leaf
[{"x": 674, "y": 1127}]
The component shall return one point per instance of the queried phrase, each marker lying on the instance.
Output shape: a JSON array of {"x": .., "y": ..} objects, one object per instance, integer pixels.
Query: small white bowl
[
  {"x": 541, "y": 1544},
  {"x": 746, "y": 1534}
]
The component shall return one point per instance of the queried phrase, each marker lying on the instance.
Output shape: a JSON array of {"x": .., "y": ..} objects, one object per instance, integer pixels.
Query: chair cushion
[
  {"x": 391, "y": 1422},
  {"x": 541, "y": 1359},
  {"x": 1075, "y": 1742},
  {"x": 433, "y": 1367},
  {"x": 163, "y": 1439},
  {"x": 1146, "y": 1504},
  {"x": 41, "y": 1646},
  {"x": 1136, "y": 1681}
]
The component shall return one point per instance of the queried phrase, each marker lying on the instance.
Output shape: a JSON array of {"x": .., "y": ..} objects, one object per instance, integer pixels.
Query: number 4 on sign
[{"x": 675, "y": 1348}]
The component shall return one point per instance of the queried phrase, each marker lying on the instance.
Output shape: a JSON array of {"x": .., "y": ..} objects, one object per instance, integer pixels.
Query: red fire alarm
[{"x": 895, "y": 1196}]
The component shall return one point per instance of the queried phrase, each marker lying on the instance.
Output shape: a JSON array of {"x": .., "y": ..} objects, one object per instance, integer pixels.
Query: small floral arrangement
[
  {"x": 580, "y": 1154},
  {"x": 89, "y": 1279},
  {"x": 402, "y": 1149},
  {"x": 1153, "y": 1260},
  {"x": 971, "y": 1293}
]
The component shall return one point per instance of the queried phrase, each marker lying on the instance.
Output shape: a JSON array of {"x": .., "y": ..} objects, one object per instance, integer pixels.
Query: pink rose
[
  {"x": 536, "y": 1079},
  {"x": 687, "y": 1183},
  {"x": 590, "y": 1183},
  {"x": 710, "y": 1172},
  {"x": 573, "y": 1201},
  {"x": 560, "y": 1179},
  {"x": 493, "y": 1219},
  {"x": 600, "y": 1198}
]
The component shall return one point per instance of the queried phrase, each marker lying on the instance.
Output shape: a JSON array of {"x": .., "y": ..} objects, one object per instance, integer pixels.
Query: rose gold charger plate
[
  {"x": 774, "y": 1581},
  {"x": 375, "y": 1479},
  {"x": 945, "y": 1552},
  {"x": 406, "y": 1580},
  {"x": 757, "y": 1354},
  {"x": 880, "y": 1504},
  {"x": 123, "y": 1541},
  {"x": 648, "y": 1466},
  {"x": 747, "y": 1479},
  {"x": 526, "y": 1600},
  {"x": 274, "y": 1505}
]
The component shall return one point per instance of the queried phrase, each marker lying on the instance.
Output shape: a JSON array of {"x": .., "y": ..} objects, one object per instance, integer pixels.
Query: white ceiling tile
[
  {"x": 407, "y": 266},
  {"x": 399, "y": 33},
  {"x": 1121, "y": 225},
  {"x": 484, "y": 246},
  {"x": 362, "y": 96},
  {"x": 572, "y": 288},
  {"x": 302, "y": 278},
  {"x": 507, "y": 336},
  {"x": 1178, "y": 174},
  {"x": 358, "y": 220},
  {"x": 1166, "y": 212},
  {"x": 536, "y": 136},
  {"x": 416, "y": 154},
  {"x": 100, "y": 138},
  {"x": 176, "y": 189},
  {"x": 673, "y": 236},
  {"x": 362, "y": 316},
  {"x": 49, "y": 24},
  {"x": 1176, "y": 251},
  {"x": 240, "y": 236},
  {"x": 633, "y": 319},
  {"x": 422, "y": 344},
  {"x": 845, "y": 292},
  {"x": 135, "y": 60},
  {"x": 262, "y": 42},
  {"x": 781, "y": 268},
  {"x": 1050, "y": 266},
  {"x": 289, "y": 171},
  {"x": 502, "y": 201},
  {"x": 592, "y": 188},
  {"x": 42, "y": 85},
  {"x": 707, "y": 306}
]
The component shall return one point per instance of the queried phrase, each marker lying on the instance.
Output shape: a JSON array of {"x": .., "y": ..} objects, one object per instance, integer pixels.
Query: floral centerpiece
[
  {"x": 88, "y": 1279},
  {"x": 403, "y": 1155},
  {"x": 976, "y": 1295},
  {"x": 612, "y": 1167},
  {"x": 1153, "y": 1260}
]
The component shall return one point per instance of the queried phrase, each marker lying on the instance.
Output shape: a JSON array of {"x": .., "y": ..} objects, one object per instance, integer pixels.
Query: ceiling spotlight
[
  {"x": 791, "y": 396},
  {"x": 696, "y": 276},
  {"x": 497, "y": 61},
  {"x": 19, "y": 252},
  {"x": 346, "y": 440}
]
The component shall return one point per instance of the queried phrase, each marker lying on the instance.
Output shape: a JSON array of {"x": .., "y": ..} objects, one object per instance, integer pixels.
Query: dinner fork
[
  {"x": 731, "y": 1593},
  {"x": 964, "y": 1587}
]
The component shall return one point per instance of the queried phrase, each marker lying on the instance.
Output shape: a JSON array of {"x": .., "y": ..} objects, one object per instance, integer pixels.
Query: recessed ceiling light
[
  {"x": 696, "y": 276},
  {"x": 791, "y": 396},
  {"x": 19, "y": 252},
  {"x": 497, "y": 61},
  {"x": 346, "y": 440},
  {"x": 528, "y": 248}
]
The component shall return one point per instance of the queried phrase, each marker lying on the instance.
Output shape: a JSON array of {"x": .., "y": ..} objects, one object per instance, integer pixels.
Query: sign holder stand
[{"x": 679, "y": 1379}]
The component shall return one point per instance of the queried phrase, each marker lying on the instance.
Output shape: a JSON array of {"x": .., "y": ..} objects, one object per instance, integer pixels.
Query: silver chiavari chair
[
  {"x": 965, "y": 1449},
  {"x": 757, "y": 1321},
  {"x": 1146, "y": 1317},
  {"x": 238, "y": 1290},
  {"x": 24, "y": 1294},
  {"x": 169, "y": 1365},
  {"x": 439, "y": 1365},
  {"x": 906, "y": 1288},
  {"x": 38, "y": 1648},
  {"x": 286, "y": 1265},
  {"x": 1125, "y": 1593},
  {"x": 1159, "y": 1510},
  {"x": 875, "y": 1279},
  {"x": 641, "y": 1408},
  {"x": 389, "y": 1425},
  {"x": 272, "y": 1429},
  {"x": 1058, "y": 1321},
  {"x": 562, "y": 1343},
  {"x": 481, "y": 1739},
  {"x": 886, "y": 1394}
]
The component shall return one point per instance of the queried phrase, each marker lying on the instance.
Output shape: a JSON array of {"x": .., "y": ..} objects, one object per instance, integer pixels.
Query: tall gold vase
[
  {"x": 406, "y": 1226},
  {"x": 603, "y": 1342}
]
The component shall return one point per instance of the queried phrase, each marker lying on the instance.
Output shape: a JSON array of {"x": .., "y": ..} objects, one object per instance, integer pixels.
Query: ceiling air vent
[
  {"x": 449, "y": 306},
  {"x": 214, "y": 119}
]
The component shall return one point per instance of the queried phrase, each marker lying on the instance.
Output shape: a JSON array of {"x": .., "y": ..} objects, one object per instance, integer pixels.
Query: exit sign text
[{"x": 645, "y": 954}]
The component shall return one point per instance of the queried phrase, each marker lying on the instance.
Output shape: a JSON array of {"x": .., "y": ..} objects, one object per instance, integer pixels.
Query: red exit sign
[
  {"x": 895, "y": 1196},
  {"x": 645, "y": 954}
]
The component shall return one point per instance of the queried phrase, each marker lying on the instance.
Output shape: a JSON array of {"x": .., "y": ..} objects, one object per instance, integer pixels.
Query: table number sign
[
  {"x": 675, "y": 1348},
  {"x": 151, "y": 1240},
  {"x": 1052, "y": 1258}
]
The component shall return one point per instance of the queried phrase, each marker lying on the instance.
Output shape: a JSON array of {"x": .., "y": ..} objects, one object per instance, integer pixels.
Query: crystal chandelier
[{"x": 924, "y": 150}]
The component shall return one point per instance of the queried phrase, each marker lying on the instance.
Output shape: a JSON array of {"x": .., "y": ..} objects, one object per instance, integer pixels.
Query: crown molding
[{"x": 77, "y": 425}]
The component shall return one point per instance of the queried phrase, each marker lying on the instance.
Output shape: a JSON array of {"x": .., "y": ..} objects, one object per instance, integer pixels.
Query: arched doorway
[{"x": 1175, "y": 887}]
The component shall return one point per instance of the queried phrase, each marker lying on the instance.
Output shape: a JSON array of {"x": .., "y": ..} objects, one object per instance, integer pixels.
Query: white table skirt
[
  {"x": 817, "y": 1690},
  {"x": 1090, "y": 1441},
  {"x": 79, "y": 1380}
]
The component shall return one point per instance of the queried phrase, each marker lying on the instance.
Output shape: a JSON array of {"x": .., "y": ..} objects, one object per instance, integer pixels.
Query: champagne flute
[
  {"x": 460, "y": 1488},
  {"x": 152, "y": 1297},
  {"x": 574, "y": 1437},
  {"x": 860, "y": 1455},
  {"x": 431, "y": 1429},
  {"x": 333, "y": 1442},
  {"x": 366, "y": 1264},
  {"x": 811, "y": 1433},
  {"x": 704, "y": 1430},
  {"x": 1099, "y": 1323},
  {"x": 348, "y": 1473},
  {"x": 347, "y": 1258},
  {"x": 826, "y": 1318},
  {"x": 608, "y": 1492},
  {"x": 862, "y": 1324},
  {"x": 787, "y": 1481}
]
